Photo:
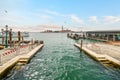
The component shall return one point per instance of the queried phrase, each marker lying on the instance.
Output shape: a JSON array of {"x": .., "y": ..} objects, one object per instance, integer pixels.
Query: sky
[{"x": 80, "y": 15}]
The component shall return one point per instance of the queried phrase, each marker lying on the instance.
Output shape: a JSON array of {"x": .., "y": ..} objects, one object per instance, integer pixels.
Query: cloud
[
  {"x": 43, "y": 16},
  {"x": 76, "y": 19},
  {"x": 11, "y": 17},
  {"x": 93, "y": 19},
  {"x": 46, "y": 16},
  {"x": 112, "y": 19},
  {"x": 54, "y": 13},
  {"x": 51, "y": 12}
]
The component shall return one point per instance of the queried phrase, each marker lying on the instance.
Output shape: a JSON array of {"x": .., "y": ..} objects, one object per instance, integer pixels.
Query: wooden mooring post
[
  {"x": 81, "y": 43},
  {"x": 10, "y": 37},
  {"x": 19, "y": 36}
]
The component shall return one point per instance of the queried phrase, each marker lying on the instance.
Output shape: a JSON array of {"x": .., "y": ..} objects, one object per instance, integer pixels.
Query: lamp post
[{"x": 6, "y": 41}]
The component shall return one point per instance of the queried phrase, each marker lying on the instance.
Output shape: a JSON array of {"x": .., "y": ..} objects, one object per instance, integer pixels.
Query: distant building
[
  {"x": 46, "y": 31},
  {"x": 65, "y": 30},
  {"x": 59, "y": 31},
  {"x": 104, "y": 35}
]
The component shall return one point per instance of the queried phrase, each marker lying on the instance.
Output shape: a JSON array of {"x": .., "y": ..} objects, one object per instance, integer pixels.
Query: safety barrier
[
  {"x": 7, "y": 55},
  {"x": 11, "y": 53}
]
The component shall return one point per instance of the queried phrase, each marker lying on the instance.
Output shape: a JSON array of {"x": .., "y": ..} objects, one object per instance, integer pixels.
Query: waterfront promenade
[
  {"x": 103, "y": 52},
  {"x": 20, "y": 55}
]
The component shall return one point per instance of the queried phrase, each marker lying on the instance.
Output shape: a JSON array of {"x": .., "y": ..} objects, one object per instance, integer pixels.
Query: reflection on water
[{"x": 60, "y": 60}]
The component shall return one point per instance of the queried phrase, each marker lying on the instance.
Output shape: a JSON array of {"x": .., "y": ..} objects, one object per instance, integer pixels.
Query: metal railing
[{"x": 11, "y": 53}]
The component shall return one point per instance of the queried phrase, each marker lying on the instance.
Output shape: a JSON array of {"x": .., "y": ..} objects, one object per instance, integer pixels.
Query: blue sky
[{"x": 37, "y": 15}]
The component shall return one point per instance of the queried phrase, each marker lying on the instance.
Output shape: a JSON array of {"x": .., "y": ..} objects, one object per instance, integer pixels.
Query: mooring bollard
[
  {"x": 19, "y": 36},
  {"x": 10, "y": 37},
  {"x": 41, "y": 42},
  {"x": 81, "y": 44}
]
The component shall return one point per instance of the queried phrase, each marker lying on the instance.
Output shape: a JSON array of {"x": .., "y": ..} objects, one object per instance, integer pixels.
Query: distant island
[{"x": 57, "y": 31}]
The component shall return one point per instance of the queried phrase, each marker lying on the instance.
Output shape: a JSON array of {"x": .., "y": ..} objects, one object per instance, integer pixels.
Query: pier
[
  {"x": 106, "y": 36},
  {"x": 16, "y": 52},
  {"x": 105, "y": 47},
  {"x": 77, "y": 35},
  {"x": 21, "y": 56},
  {"x": 106, "y": 54}
]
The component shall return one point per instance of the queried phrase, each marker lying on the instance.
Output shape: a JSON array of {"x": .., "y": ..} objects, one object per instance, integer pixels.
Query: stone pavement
[
  {"x": 107, "y": 49},
  {"x": 104, "y": 53}
]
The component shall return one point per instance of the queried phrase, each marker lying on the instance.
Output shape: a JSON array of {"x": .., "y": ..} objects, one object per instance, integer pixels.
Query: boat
[{"x": 15, "y": 34}]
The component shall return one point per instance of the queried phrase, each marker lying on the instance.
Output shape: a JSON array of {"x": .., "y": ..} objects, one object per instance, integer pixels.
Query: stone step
[
  {"x": 106, "y": 62},
  {"x": 108, "y": 65},
  {"x": 23, "y": 60},
  {"x": 103, "y": 60},
  {"x": 101, "y": 57}
]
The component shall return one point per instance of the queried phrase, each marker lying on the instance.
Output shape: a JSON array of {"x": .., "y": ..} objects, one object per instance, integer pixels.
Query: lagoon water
[{"x": 61, "y": 60}]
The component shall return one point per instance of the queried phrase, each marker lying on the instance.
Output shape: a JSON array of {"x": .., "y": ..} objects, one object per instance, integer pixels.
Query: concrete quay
[
  {"x": 106, "y": 58},
  {"x": 20, "y": 59}
]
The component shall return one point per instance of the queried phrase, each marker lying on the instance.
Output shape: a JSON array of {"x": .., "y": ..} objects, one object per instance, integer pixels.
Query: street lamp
[
  {"x": 6, "y": 36},
  {"x": 6, "y": 41}
]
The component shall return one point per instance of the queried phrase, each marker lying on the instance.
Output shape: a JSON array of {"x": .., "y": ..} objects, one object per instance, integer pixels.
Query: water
[{"x": 60, "y": 60}]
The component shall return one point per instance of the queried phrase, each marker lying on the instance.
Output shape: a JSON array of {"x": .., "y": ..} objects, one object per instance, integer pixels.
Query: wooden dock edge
[
  {"x": 5, "y": 68},
  {"x": 96, "y": 56}
]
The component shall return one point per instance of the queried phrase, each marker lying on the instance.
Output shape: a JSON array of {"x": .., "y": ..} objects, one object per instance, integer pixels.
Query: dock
[
  {"x": 108, "y": 55},
  {"x": 22, "y": 59},
  {"x": 76, "y": 36}
]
